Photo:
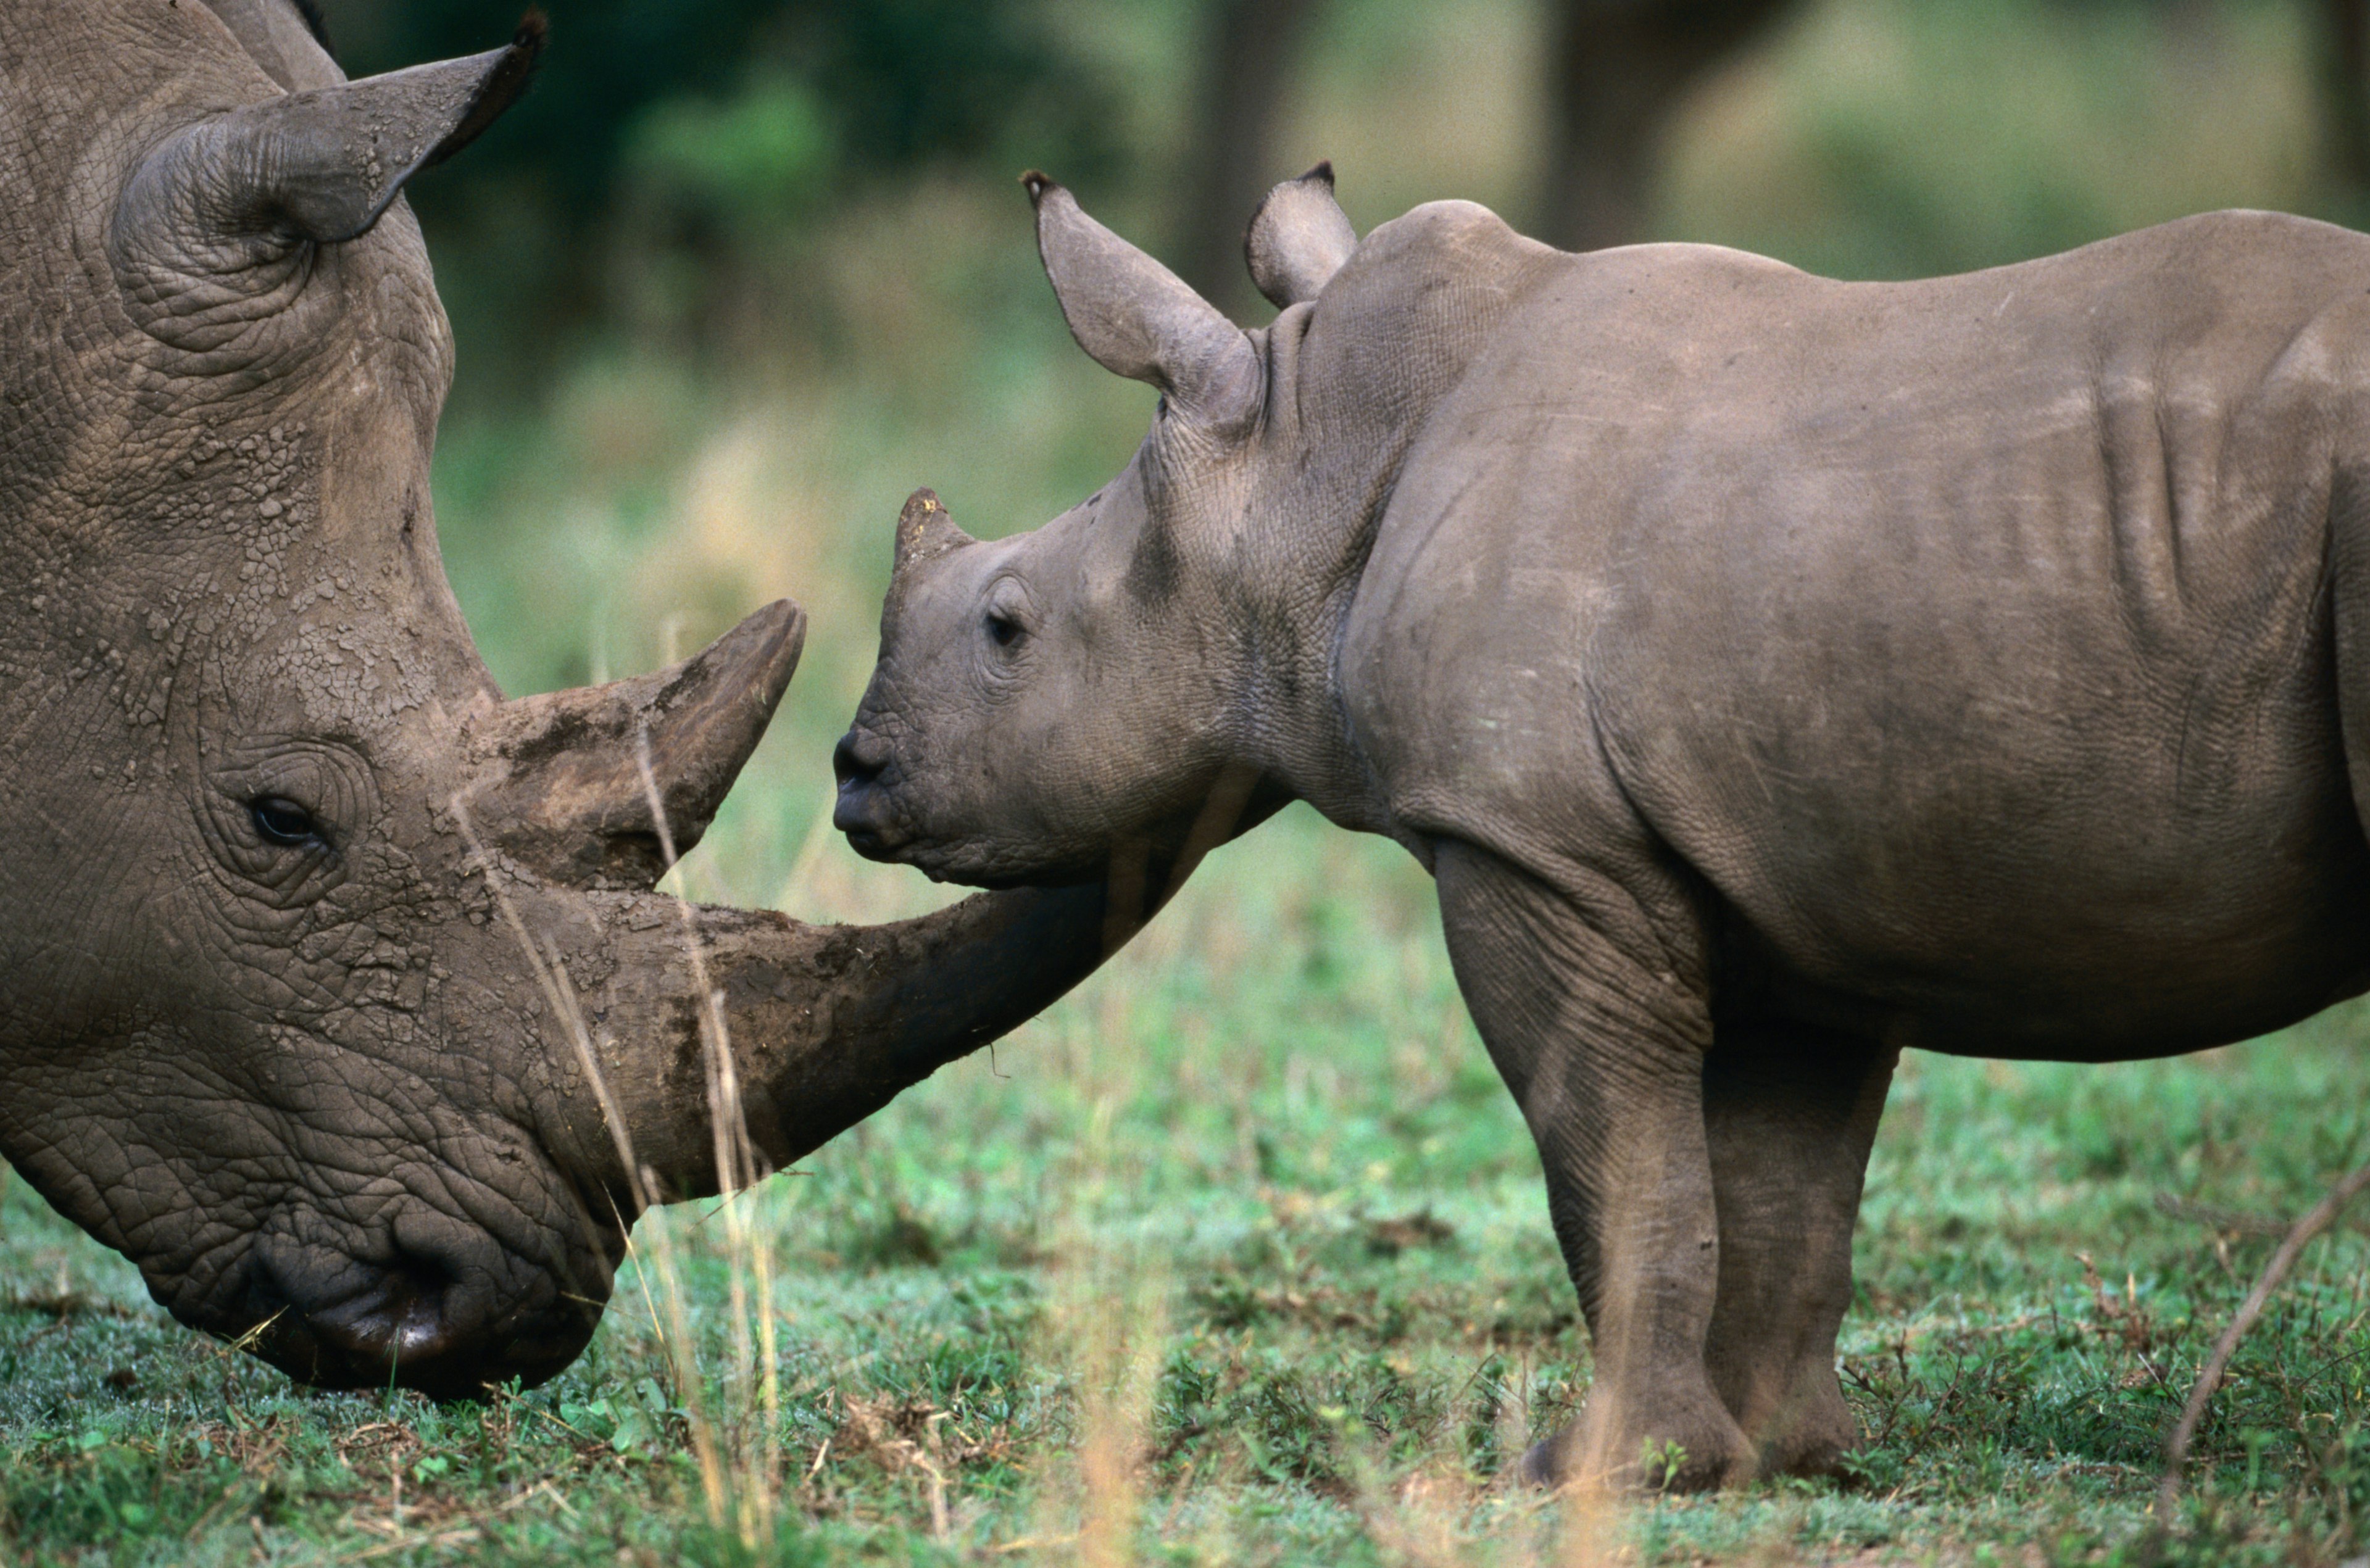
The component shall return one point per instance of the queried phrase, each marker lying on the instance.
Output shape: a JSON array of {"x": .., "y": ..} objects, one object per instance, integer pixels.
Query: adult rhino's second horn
[{"x": 568, "y": 798}]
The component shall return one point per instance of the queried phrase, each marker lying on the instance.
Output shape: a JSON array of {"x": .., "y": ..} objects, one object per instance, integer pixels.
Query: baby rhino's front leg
[{"x": 1600, "y": 1029}]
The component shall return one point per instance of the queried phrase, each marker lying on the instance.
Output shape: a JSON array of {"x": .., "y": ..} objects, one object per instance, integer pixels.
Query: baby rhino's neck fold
[
  {"x": 1353, "y": 380},
  {"x": 1289, "y": 721}
]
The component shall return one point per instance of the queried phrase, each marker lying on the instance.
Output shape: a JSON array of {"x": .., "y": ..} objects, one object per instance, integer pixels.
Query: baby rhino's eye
[
  {"x": 1003, "y": 629},
  {"x": 281, "y": 821}
]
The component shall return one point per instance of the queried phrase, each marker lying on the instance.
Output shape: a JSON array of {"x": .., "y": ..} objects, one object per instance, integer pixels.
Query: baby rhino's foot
[
  {"x": 1696, "y": 1446},
  {"x": 1811, "y": 1438}
]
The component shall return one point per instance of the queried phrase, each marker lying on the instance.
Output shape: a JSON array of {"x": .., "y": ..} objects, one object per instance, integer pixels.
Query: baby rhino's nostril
[
  {"x": 862, "y": 810},
  {"x": 859, "y": 757}
]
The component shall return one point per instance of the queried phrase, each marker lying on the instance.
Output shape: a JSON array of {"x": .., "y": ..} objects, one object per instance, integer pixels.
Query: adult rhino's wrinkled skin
[
  {"x": 1774, "y": 674},
  {"x": 268, "y": 1020}
]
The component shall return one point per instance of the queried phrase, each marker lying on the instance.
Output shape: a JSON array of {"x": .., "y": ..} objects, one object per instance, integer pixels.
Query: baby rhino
[{"x": 1774, "y": 672}]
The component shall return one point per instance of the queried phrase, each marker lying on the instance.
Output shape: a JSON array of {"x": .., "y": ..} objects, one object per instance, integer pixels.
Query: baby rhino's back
[{"x": 1966, "y": 635}]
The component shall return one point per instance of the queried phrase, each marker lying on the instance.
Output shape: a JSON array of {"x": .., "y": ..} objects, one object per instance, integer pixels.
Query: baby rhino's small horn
[{"x": 925, "y": 530}]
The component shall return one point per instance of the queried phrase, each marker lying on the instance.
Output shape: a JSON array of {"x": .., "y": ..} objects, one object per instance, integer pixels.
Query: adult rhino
[
  {"x": 270, "y": 1025},
  {"x": 1774, "y": 672}
]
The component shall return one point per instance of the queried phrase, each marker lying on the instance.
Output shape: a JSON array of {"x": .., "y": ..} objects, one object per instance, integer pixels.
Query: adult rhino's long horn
[
  {"x": 562, "y": 790},
  {"x": 822, "y": 1025},
  {"x": 322, "y": 165}
]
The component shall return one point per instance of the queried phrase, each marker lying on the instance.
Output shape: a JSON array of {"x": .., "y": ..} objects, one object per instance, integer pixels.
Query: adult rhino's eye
[
  {"x": 281, "y": 822},
  {"x": 1002, "y": 629}
]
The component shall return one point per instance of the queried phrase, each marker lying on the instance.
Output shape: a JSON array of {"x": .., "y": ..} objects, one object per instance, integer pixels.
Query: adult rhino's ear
[
  {"x": 319, "y": 166},
  {"x": 1299, "y": 238},
  {"x": 1137, "y": 318}
]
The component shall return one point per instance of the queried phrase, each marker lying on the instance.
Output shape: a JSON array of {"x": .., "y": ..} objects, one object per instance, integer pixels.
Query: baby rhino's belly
[
  {"x": 2053, "y": 979},
  {"x": 2019, "y": 905},
  {"x": 1960, "y": 867}
]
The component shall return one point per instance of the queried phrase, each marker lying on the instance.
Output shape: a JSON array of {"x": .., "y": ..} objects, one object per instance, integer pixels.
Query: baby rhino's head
[{"x": 1046, "y": 701}]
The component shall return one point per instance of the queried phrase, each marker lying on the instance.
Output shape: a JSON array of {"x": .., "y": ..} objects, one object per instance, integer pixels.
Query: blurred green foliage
[
  {"x": 895, "y": 82},
  {"x": 1900, "y": 137},
  {"x": 762, "y": 156},
  {"x": 669, "y": 151}
]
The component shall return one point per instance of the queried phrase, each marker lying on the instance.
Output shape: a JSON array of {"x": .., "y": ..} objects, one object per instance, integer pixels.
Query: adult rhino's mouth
[{"x": 435, "y": 1305}]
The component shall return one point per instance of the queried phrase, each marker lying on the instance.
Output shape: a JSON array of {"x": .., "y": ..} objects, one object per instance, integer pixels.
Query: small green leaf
[{"x": 635, "y": 1430}]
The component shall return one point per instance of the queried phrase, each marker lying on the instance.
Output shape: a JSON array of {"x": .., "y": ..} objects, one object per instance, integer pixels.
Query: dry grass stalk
[
  {"x": 1414, "y": 1520},
  {"x": 747, "y": 1482},
  {"x": 737, "y": 1458},
  {"x": 1106, "y": 1330},
  {"x": 674, "y": 1338},
  {"x": 560, "y": 993},
  {"x": 1117, "y": 1329},
  {"x": 2300, "y": 1235},
  {"x": 1589, "y": 1528}
]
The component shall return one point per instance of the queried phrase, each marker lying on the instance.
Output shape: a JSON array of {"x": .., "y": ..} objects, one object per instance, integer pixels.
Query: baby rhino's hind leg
[{"x": 1789, "y": 1113}]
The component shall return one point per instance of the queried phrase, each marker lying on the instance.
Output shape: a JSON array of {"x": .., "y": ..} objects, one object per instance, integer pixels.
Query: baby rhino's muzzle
[{"x": 862, "y": 811}]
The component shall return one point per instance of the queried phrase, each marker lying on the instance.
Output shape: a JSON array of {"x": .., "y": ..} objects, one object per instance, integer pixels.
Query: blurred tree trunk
[
  {"x": 1249, "y": 49},
  {"x": 1615, "y": 70},
  {"x": 2346, "y": 84}
]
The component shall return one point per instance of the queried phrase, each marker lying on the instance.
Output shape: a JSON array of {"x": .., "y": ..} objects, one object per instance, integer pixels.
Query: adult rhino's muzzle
[{"x": 436, "y": 1305}]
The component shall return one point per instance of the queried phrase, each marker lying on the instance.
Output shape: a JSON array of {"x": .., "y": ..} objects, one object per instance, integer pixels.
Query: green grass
[
  {"x": 1253, "y": 1206},
  {"x": 1240, "y": 1254}
]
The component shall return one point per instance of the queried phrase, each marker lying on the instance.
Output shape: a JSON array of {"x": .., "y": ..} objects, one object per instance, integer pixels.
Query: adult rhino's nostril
[{"x": 396, "y": 1323}]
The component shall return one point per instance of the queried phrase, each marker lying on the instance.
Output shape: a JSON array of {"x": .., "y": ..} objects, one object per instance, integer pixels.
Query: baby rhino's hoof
[
  {"x": 1720, "y": 1459},
  {"x": 1812, "y": 1454},
  {"x": 1811, "y": 1436}
]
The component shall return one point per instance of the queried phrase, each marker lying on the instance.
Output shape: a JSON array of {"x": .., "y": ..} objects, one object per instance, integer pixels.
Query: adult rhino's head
[
  {"x": 332, "y": 989},
  {"x": 1142, "y": 670}
]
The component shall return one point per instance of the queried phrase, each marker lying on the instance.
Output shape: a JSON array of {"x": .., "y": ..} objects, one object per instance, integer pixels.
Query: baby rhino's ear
[
  {"x": 1299, "y": 238},
  {"x": 1137, "y": 318}
]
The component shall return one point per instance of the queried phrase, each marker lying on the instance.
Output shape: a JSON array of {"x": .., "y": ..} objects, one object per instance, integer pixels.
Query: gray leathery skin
[
  {"x": 1775, "y": 672},
  {"x": 266, "y": 1023}
]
